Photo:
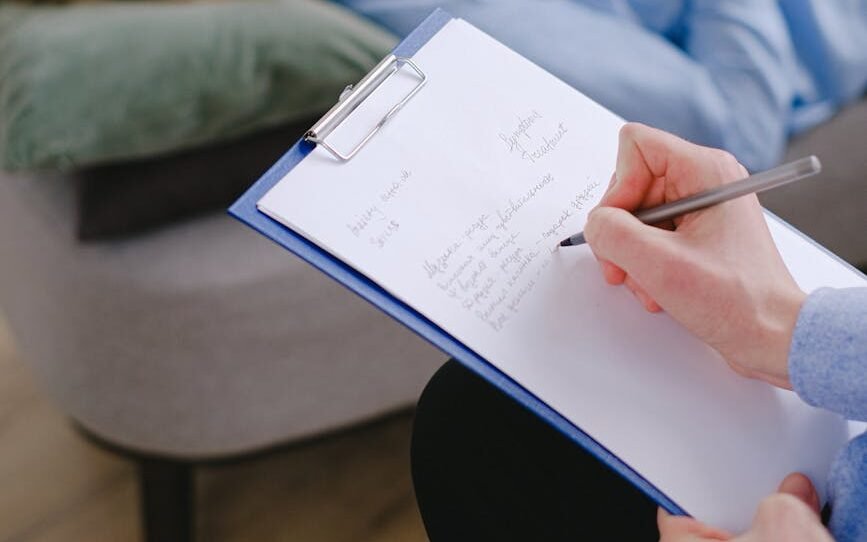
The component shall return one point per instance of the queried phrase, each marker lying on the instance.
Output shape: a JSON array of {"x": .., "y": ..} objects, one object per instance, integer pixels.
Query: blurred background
[{"x": 167, "y": 374}]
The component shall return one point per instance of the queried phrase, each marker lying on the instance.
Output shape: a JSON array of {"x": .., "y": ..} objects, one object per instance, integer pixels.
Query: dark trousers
[{"x": 485, "y": 468}]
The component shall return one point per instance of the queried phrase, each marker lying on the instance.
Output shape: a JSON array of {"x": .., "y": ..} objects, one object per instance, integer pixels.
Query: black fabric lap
[{"x": 485, "y": 468}]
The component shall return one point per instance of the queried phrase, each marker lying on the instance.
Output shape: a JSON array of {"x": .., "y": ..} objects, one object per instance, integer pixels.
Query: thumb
[
  {"x": 617, "y": 236},
  {"x": 686, "y": 529},
  {"x": 798, "y": 485}
]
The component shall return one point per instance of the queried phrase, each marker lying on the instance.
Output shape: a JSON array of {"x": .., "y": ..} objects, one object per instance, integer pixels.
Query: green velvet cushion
[{"x": 97, "y": 83}]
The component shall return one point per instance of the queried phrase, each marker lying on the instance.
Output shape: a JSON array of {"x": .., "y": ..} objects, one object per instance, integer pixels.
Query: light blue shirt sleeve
[
  {"x": 847, "y": 491},
  {"x": 828, "y": 369},
  {"x": 828, "y": 355}
]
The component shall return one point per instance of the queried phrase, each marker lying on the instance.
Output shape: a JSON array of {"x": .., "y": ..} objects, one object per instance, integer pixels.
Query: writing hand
[
  {"x": 716, "y": 271},
  {"x": 791, "y": 515}
]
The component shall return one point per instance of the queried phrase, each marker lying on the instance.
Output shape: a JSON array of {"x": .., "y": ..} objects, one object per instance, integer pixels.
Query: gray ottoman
[{"x": 194, "y": 341}]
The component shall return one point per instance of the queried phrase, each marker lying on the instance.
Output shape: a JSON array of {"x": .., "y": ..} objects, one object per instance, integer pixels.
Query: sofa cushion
[{"x": 92, "y": 83}]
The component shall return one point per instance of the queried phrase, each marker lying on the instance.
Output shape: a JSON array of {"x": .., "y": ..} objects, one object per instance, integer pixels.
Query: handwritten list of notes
[
  {"x": 488, "y": 266},
  {"x": 456, "y": 207},
  {"x": 487, "y": 269}
]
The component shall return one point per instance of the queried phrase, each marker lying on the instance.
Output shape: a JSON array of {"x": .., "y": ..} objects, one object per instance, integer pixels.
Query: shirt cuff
[{"x": 828, "y": 354}]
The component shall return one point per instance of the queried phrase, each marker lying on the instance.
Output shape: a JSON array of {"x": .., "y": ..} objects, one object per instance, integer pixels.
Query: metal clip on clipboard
[{"x": 354, "y": 96}]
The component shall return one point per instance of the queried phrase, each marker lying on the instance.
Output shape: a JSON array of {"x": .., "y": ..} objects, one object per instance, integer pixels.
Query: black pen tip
[{"x": 573, "y": 240}]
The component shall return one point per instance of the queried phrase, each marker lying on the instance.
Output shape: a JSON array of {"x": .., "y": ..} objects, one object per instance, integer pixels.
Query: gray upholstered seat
[{"x": 197, "y": 340}]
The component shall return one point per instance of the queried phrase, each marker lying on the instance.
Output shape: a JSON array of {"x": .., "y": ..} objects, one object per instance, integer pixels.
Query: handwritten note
[{"x": 456, "y": 208}]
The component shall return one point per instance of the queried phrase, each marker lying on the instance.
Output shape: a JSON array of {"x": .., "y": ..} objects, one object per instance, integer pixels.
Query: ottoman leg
[{"x": 166, "y": 489}]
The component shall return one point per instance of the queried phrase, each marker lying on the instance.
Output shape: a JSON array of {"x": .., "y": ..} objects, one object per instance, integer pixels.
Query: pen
[{"x": 772, "y": 178}]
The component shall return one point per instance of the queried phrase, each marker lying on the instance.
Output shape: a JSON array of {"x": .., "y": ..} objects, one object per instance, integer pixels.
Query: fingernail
[{"x": 799, "y": 486}]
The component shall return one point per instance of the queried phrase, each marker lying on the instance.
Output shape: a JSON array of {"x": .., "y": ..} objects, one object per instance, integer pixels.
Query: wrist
[{"x": 775, "y": 325}]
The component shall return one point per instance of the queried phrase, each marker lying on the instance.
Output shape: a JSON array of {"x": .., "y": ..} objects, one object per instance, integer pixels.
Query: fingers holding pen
[
  {"x": 642, "y": 162},
  {"x": 613, "y": 274},
  {"x": 650, "y": 304},
  {"x": 654, "y": 167},
  {"x": 626, "y": 246}
]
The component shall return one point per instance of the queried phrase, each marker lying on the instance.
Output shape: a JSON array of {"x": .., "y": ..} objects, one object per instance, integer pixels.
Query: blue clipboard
[{"x": 246, "y": 211}]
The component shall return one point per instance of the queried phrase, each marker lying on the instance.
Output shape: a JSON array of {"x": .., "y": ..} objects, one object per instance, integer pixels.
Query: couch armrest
[{"x": 831, "y": 208}]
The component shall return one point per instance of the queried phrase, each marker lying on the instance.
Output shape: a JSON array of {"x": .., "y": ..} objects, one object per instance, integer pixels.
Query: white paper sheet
[{"x": 456, "y": 207}]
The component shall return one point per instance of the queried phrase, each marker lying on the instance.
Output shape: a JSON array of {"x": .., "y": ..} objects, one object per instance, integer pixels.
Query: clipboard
[{"x": 246, "y": 211}]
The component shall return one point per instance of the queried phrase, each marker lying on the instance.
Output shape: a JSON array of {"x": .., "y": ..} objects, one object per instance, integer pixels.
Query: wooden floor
[{"x": 55, "y": 486}]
